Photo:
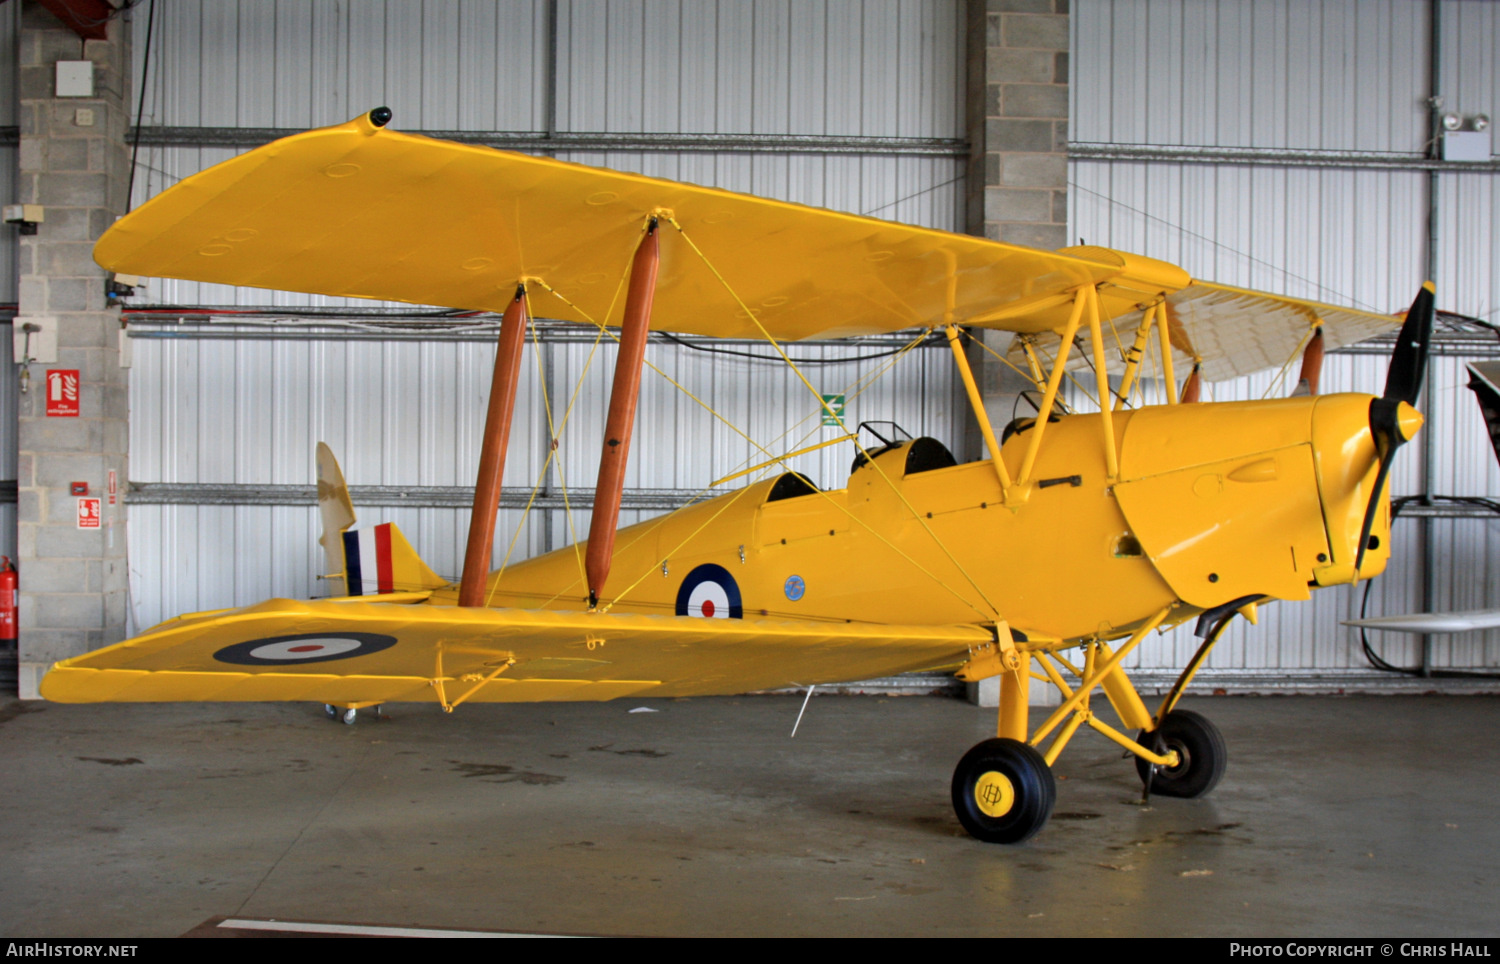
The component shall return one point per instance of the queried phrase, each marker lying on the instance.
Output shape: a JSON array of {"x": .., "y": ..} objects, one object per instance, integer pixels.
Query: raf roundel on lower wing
[{"x": 304, "y": 648}]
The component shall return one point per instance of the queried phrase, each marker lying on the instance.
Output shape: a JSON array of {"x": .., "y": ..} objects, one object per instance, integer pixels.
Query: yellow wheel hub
[{"x": 994, "y": 793}]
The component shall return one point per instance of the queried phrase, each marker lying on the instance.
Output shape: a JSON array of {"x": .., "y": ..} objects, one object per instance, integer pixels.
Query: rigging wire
[
  {"x": 546, "y": 463},
  {"x": 925, "y": 190},
  {"x": 872, "y": 378},
  {"x": 869, "y": 380},
  {"x": 1286, "y": 366},
  {"x": 568, "y": 412},
  {"x": 602, "y": 330},
  {"x": 816, "y": 394},
  {"x": 1280, "y": 269}
]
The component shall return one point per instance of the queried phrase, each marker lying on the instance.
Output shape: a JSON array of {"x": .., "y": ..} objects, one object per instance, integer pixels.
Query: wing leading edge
[{"x": 343, "y": 652}]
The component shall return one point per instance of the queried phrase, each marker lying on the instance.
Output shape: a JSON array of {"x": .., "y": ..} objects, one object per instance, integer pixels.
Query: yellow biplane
[{"x": 1051, "y": 559}]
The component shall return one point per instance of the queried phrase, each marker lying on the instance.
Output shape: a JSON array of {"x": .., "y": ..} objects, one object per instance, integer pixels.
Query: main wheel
[
  {"x": 1200, "y": 751},
  {"x": 1003, "y": 791}
]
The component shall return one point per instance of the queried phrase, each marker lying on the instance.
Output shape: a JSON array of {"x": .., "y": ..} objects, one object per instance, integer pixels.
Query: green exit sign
[{"x": 833, "y": 410}]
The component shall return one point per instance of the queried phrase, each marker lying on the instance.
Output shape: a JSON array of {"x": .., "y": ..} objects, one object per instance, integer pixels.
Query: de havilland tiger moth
[{"x": 1049, "y": 559}]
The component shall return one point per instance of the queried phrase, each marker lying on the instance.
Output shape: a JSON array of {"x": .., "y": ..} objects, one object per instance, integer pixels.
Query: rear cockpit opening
[{"x": 791, "y": 485}]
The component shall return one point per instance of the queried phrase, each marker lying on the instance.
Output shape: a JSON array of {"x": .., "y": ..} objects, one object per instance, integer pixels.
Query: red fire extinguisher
[{"x": 8, "y": 601}]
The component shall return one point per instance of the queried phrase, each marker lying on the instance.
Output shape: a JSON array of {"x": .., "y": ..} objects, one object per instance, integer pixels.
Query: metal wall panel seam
[{"x": 1279, "y": 158}]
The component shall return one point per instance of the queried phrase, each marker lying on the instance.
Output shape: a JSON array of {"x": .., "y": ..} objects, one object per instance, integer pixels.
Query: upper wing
[
  {"x": 354, "y": 652},
  {"x": 374, "y": 213},
  {"x": 357, "y": 210}
]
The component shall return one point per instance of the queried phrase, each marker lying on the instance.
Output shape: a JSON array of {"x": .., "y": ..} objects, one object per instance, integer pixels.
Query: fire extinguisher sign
[
  {"x": 62, "y": 392},
  {"x": 88, "y": 513}
]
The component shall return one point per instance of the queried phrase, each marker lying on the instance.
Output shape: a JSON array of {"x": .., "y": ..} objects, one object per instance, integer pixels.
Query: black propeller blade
[
  {"x": 1402, "y": 385},
  {"x": 1409, "y": 360}
]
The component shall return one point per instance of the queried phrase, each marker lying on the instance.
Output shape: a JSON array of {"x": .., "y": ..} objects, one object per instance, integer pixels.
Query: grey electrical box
[
  {"x": 75, "y": 78},
  {"x": 1466, "y": 145}
]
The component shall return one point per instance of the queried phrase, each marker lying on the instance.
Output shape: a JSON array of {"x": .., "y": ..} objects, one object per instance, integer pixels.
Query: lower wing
[{"x": 338, "y": 651}]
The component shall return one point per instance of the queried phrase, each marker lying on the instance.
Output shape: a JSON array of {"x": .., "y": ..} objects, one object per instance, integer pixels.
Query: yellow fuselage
[{"x": 1213, "y": 503}]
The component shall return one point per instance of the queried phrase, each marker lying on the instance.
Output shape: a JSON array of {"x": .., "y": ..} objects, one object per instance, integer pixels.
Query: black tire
[
  {"x": 1200, "y": 746},
  {"x": 998, "y": 769}
]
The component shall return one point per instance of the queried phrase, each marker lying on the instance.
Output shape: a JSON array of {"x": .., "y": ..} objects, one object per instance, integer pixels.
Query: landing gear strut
[{"x": 1004, "y": 790}]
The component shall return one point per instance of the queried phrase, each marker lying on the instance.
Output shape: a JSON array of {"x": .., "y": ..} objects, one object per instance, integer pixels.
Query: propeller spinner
[{"x": 1393, "y": 420}]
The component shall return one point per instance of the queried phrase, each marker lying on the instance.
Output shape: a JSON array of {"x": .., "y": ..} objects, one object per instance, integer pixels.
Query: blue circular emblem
[{"x": 795, "y": 587}]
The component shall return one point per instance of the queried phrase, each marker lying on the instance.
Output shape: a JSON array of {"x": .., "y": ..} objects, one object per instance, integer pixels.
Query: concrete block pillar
[
  {"x": 1017, "y": 86},
  {"x": 75, "y": 163},
  {"x": 1017, "y": 119}
]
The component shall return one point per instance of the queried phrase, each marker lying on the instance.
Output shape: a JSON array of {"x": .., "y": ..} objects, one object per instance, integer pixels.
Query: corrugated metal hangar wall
[{"x": 856, "y": 105}]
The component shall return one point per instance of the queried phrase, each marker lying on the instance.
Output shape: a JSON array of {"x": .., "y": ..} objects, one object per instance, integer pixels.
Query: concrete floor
[{"x": 1357, "y": 816}]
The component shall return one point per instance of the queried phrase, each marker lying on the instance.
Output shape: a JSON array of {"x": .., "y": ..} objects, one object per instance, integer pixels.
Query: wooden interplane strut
[
  {"x": 1312, "y": 363},
  {"x": 623, "y": 397},
  {"x": 1192, "y": 389},
  {"x": 492, "y": 454}
]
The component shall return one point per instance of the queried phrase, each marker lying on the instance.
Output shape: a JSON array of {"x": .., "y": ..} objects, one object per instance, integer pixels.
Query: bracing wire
[{"x": 771, "y": 340}]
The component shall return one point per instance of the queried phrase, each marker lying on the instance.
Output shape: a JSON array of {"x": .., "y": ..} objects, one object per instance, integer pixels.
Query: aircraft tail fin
[
  {"x": 370, "y": 561},
  {"x": 335, "y": 508}
]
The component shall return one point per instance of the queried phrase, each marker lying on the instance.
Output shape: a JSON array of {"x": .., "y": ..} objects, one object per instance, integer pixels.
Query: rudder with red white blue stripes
[{"x": 380, "y": 560}]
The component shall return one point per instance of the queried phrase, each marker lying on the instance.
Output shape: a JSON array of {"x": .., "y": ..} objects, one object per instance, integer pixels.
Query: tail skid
[{"x": 370, "y": 561}]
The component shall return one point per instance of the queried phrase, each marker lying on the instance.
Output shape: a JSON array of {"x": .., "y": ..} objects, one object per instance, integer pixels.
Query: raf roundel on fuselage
[{"x": 710, "y": 592}]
